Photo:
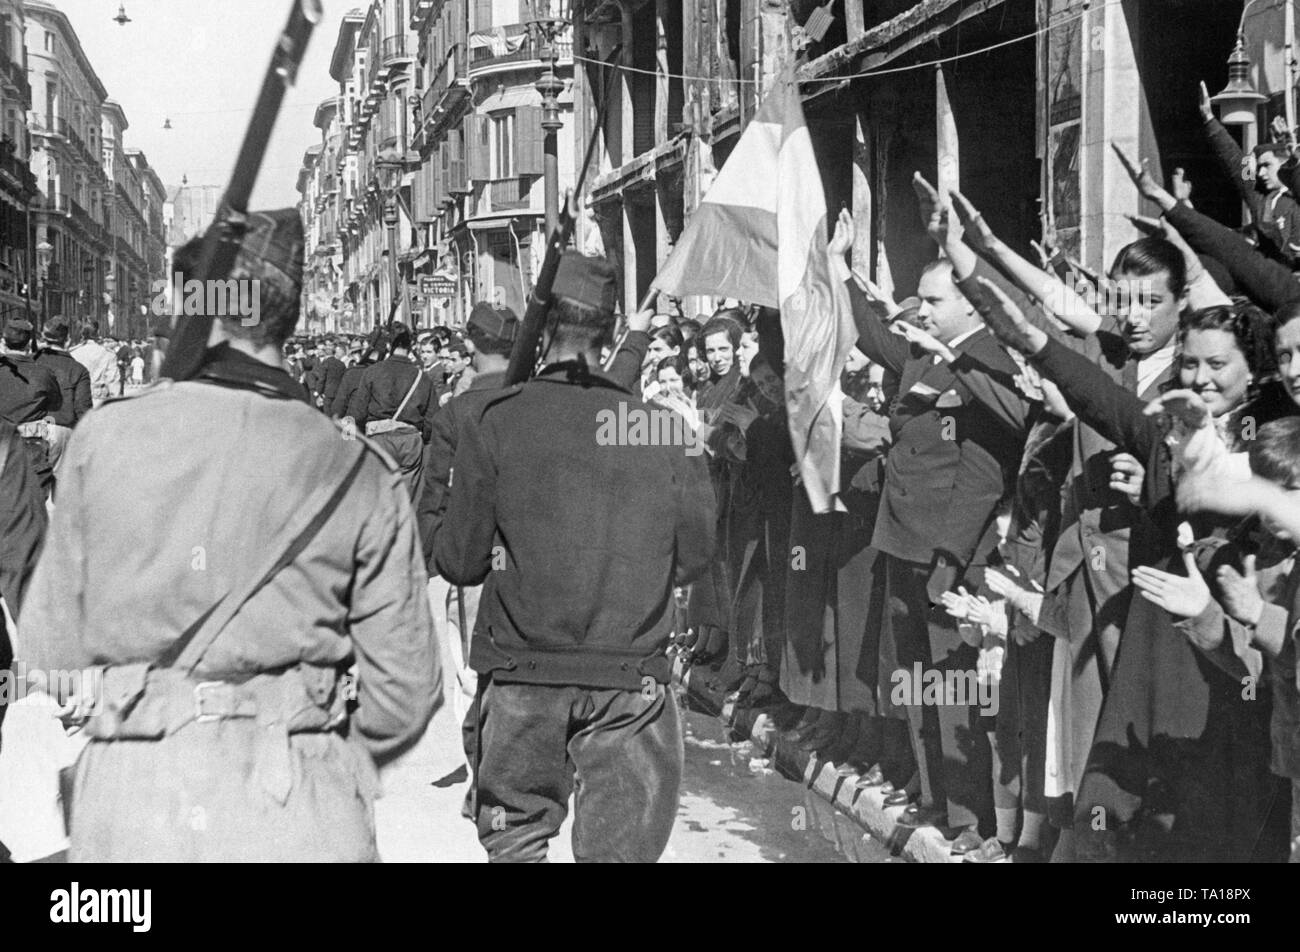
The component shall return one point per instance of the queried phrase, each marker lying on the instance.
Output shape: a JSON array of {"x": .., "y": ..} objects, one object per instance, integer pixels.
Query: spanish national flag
[{"x": 759, "y": 235}]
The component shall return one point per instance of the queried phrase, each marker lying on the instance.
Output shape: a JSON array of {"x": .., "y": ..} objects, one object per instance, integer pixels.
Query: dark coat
[
  {"x": 953, "y": 458},
  {"x": 74, "y": 384},
  {"x": 580, "y": 539}
]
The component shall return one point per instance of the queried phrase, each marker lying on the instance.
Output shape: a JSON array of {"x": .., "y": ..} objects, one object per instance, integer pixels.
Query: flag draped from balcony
[{"x": 759, "y": 235}]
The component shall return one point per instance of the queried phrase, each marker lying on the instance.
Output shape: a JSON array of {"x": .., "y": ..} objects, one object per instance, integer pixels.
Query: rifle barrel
[{"x": 221, "y": 241}]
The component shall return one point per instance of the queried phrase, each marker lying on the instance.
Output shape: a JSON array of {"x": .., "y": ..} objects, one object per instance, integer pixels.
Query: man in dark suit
[
  {"x": 944, "y": 477},
  {"x": 329, "y": 373},
  {"x": 74, "y": 383}
]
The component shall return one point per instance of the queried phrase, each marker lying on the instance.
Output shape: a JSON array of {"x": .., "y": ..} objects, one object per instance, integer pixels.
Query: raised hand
[
  {"x": 1002, "y": 585},
  {"x": 1008, "y": 322},
  {"x": 1181, "y": 186},
  {"x": 876, "y": 293},
  {"x": 1239, "y": 592},
  {"x": 1205, "y": 106},
  {"x": 926, "y": 341},
  {"x": 1146, "y": 184},
  {"x": 1181, "y": 596},
  {"x": 842, "y": 241},
  {"x": 931, "y": 208},
  {"x": 1184, "y": 406},
  {"x": 978, "y": 233}
]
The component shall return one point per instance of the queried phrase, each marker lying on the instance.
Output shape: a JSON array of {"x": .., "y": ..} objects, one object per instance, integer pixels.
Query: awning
[{"x": 514, "y": 97}]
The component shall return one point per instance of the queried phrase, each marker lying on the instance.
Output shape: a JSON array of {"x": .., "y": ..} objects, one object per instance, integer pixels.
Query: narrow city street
[{"x": 734, "y": 809}]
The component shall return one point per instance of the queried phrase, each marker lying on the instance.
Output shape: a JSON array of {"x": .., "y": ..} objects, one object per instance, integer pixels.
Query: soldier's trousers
[
  {"x": 619, "y": 752},
  {"x": 407, "y": 450}
]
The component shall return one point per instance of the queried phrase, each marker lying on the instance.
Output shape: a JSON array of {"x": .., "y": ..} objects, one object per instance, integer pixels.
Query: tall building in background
[
  {"x": 188, "y": 210},
  {"x": 70, "y": 214},
  {"x": 356, "y": 183},
  {"x": 17, "y": 184}
]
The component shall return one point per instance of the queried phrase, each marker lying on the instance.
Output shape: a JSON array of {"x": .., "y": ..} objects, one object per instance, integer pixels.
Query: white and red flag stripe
[{"x": 759, "y": 235}]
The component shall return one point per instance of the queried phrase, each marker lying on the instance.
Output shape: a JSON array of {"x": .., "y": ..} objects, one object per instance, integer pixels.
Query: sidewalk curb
[{"x": 865, "y": 805}]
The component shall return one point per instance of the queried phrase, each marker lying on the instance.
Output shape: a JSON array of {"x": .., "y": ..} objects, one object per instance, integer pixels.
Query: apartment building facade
[
  {"x": 1039, "y": 89},
  {"x": 17, "y": 184},
  {"x": 97, "y": 215}
]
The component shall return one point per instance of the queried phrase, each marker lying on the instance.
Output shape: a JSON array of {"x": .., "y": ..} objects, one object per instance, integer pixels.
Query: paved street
[{"x": 734, "y": 809}]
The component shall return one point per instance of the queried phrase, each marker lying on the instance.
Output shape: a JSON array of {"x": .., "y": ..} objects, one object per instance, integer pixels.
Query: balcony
[
  {"x": 55, "y": 203},
  {"x": 508, "y": 194},
  {"x": 16, "y": 76},
  {"x": 447, "y": 90},
  {"x": 394, "y": 48},
  {"x": 485, "y": 60},
  {"x": 18, "y": 173}
]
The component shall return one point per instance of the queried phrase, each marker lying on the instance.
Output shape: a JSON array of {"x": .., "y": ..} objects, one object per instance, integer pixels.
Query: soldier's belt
[
  {"x": 387, "y": 426},
  {"x": 144, "y": 703}
]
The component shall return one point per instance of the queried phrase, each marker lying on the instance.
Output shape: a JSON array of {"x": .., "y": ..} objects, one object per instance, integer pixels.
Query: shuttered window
[
  {"x": 479, "y": 145},
  {"x": 529, "y": 141},
  {"x": 457, "y": 179}
]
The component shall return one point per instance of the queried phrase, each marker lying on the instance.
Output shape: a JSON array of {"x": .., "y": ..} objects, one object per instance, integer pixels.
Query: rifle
[
  {"x": 221, "y": 241},
  {"x": 523, "y": 355}
]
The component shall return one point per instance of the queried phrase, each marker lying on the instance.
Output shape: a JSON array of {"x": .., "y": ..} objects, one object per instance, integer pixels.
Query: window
[
  {"x": 49, "y": 42},
  {"x": 503, "y": 134}
]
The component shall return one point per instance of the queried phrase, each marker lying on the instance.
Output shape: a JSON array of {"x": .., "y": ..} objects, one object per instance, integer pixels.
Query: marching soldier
[
  {"x": 580, "y": 539},
  {"x": 74, "y": 383},
  {"x": 29, "y": 397},
  {"x": 394, "y": 403},
  {"x": 226, "y": 619}
]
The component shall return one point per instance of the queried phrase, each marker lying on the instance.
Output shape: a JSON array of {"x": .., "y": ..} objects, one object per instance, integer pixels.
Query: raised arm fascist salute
[{"x": 944, "y": 478}]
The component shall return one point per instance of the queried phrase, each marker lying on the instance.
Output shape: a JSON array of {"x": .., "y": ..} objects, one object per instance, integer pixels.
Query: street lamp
[
  {"x": 1239, "y": 102},
  {"x": 546, "y": 20},
  {"x": 390, "y": 166},
  {"x": 44, "y": 257}
]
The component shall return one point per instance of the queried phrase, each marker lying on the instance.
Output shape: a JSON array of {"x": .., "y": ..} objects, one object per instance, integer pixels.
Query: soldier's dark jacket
[
  {"x": 580, "y": 543},
  {"x": 28, "y": 391},
  {"x": 465, "y": 410},
  {"x": 74, "y": 384},
  {"x": 381, "y": 389}
]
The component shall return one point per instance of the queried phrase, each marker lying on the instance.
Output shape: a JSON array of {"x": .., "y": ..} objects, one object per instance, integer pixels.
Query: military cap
[
  {"x": 56, "y": 330},
  {"x": 591, "y": 282},
  {"x": 19, "y": 324},
  {"x": 493, "y": 323}
]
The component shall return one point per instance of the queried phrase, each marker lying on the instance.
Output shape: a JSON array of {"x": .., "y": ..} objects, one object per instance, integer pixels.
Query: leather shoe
[
  {"x": 916, "y": 816},
  {"x": 896, "y": 798},
  {"x": 967, "y": 842},
  {"x": 990, "y": 851},
  {"x": 874, "y": 777}
]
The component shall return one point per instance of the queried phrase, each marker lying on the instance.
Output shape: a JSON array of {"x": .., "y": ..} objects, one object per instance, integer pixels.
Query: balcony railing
[
  {"x": 17, "y": 77},
  {"x": 394, "y": 47},
  {"x": 485, "y": 58},
  {"x": 446, "y": 88},
  {"x": 56, "y": 203}
]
